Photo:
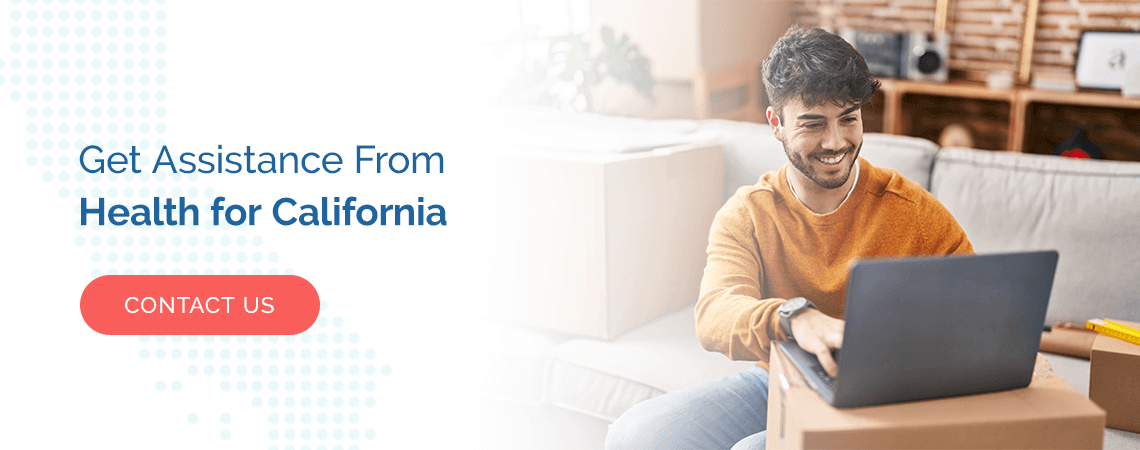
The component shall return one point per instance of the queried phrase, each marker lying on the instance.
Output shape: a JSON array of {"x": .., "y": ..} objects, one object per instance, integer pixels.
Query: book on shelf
[{"x": 1055, "y": 81}]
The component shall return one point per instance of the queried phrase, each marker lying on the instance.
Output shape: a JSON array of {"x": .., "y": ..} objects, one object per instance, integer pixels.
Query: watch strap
[{"x": 786, "y": 314}]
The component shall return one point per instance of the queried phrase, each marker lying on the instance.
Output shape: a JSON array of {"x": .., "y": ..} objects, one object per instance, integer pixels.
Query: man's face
[{"x": 821, "y": 142}]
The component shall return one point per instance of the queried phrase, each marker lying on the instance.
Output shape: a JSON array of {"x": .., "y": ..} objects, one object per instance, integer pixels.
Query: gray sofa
[{"x": 1087, "y": 210}]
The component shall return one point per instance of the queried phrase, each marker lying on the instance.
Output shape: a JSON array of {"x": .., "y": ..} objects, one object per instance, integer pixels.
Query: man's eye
[
  {"x": 813, "y": 126},
  {"x": 850, "y": 120}
]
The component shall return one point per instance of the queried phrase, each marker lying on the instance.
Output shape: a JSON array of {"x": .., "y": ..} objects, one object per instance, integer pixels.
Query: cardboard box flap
[
  {"x": 1046, "y": 414},
  {"x": 1050, "y": 397}
]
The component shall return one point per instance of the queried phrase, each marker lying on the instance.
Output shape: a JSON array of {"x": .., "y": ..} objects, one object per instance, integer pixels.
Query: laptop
[{"x": 924, "y": 328}]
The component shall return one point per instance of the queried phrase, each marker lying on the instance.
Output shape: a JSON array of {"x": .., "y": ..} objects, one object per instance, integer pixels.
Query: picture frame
[{"x": 1103, "y": 56}]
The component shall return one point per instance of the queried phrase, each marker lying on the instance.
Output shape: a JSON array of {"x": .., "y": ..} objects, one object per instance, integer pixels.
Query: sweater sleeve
[
  {"x": 941, "y": 232},
  {"x": 732, "y": 317}
]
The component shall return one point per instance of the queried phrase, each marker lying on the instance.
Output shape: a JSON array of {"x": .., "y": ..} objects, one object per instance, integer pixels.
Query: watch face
[{"x": 793, "y": 304}]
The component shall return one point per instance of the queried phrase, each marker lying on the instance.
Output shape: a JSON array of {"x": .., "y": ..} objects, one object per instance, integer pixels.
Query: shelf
[
  {"x": 1105, "y": 99},
  {"x": 952, "y": 89},
  {"x": 1000, "y": 119}
]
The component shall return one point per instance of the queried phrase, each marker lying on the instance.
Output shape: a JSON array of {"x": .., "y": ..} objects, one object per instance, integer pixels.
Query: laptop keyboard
[
  {"x": 824, "y": 377},
  {"x": 822, "y": 374},
  {"x": 811, "y": 369}
]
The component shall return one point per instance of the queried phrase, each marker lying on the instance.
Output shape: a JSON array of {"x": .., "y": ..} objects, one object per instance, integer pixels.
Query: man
[{"x": 779, "y": 250}]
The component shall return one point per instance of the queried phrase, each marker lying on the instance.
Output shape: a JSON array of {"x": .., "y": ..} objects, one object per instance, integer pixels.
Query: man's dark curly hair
[{"x": 819, "y": 67}]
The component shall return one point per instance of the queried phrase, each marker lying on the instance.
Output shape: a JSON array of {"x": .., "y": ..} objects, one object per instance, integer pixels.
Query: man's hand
[{"x": 818, "y": 334}]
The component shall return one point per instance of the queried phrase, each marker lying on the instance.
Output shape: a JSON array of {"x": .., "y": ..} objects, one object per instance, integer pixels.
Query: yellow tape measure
[{"x": 1113, "y": 329}]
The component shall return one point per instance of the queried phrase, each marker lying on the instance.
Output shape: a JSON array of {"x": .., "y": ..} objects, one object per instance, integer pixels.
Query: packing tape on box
[
  {"x": 784, "y": 387},
  {"x": 1042, "y": 368},
  {"x": 793, "y": 379}
]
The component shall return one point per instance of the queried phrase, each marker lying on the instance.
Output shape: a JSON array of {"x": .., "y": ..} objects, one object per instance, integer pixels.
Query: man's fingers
[
  {"x": 828, "y": 363},
  {"x": 823, "y": 353},
  {"x": 834, "y": 338},
  {"x": 819, "y": 334}
]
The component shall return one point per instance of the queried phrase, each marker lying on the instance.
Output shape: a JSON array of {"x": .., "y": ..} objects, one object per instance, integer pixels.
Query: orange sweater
[{"x": 766, "y": 247}]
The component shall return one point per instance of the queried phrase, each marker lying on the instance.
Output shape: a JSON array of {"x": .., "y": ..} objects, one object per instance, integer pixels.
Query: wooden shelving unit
[{"x": 1019, "y": 119}]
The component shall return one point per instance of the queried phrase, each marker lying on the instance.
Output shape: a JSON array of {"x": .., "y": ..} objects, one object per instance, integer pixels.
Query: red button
[{"x": 200, "y": 304}]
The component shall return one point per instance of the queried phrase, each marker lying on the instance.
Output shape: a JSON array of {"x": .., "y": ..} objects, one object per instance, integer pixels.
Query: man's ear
[{"x": 774, "y": 121}]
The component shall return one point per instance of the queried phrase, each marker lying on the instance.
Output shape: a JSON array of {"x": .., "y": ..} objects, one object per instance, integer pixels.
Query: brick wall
[
  {"x": 1060, "y": 22},
  {"x": 986, "y": 34}
]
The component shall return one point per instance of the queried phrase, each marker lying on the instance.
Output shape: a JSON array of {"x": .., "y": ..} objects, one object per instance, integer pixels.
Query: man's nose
[{"x": 833, "y": 139}]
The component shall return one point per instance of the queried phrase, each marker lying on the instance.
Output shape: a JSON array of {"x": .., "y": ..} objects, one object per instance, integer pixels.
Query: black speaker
[{"x": 928, "y": 57}]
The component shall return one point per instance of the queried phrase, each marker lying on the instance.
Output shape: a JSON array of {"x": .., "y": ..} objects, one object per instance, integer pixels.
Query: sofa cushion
[
  {"x": 911, "y": 156},
  {"x": 1089, "y": 211},
  {"x": 750, "y": 150},
  {"x": 604, "y": 379},
  {"x": 506, "y": 362}
]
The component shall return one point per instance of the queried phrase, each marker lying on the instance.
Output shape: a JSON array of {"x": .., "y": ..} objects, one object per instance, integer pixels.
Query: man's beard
[{"x": 802, "y": 165}]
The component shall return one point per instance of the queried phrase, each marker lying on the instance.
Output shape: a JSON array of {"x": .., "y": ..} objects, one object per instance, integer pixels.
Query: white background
[{"x": 280, "y": 77}]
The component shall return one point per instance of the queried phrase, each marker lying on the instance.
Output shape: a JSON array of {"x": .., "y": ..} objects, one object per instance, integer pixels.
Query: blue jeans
[{"x": 728, "y": 413}]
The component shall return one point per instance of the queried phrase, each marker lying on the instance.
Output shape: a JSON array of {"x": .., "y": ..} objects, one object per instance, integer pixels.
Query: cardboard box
[
  {"x": 1046, "y": 414},
  {"x": 1067, "y": 339},
  {"x": 597, "y": 244},
  {"x": 1114, "y": 380}
]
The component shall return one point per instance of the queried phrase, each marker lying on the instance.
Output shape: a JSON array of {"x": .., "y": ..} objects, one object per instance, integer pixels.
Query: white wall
[
  {"x": 680, "y": 35},
  {"x": 735, "y": 31},
  {"x": 665, "y": 30}
]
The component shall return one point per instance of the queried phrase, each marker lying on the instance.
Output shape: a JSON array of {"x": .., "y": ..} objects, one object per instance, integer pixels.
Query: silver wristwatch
[{"x": 788, "y": 310}]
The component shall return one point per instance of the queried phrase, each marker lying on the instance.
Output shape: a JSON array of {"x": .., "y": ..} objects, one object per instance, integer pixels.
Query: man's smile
[{"x": 832, "y": 160}]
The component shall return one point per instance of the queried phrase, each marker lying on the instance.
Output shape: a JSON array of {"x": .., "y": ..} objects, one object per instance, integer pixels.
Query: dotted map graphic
[{"x": 91, "y": 72}]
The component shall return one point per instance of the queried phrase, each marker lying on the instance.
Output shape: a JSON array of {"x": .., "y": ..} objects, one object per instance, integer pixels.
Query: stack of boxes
[{"x": 1046, "y": 414}]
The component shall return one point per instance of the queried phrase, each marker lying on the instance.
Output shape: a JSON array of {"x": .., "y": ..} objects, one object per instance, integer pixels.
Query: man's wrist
[{"x": 790, "y": 309}]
